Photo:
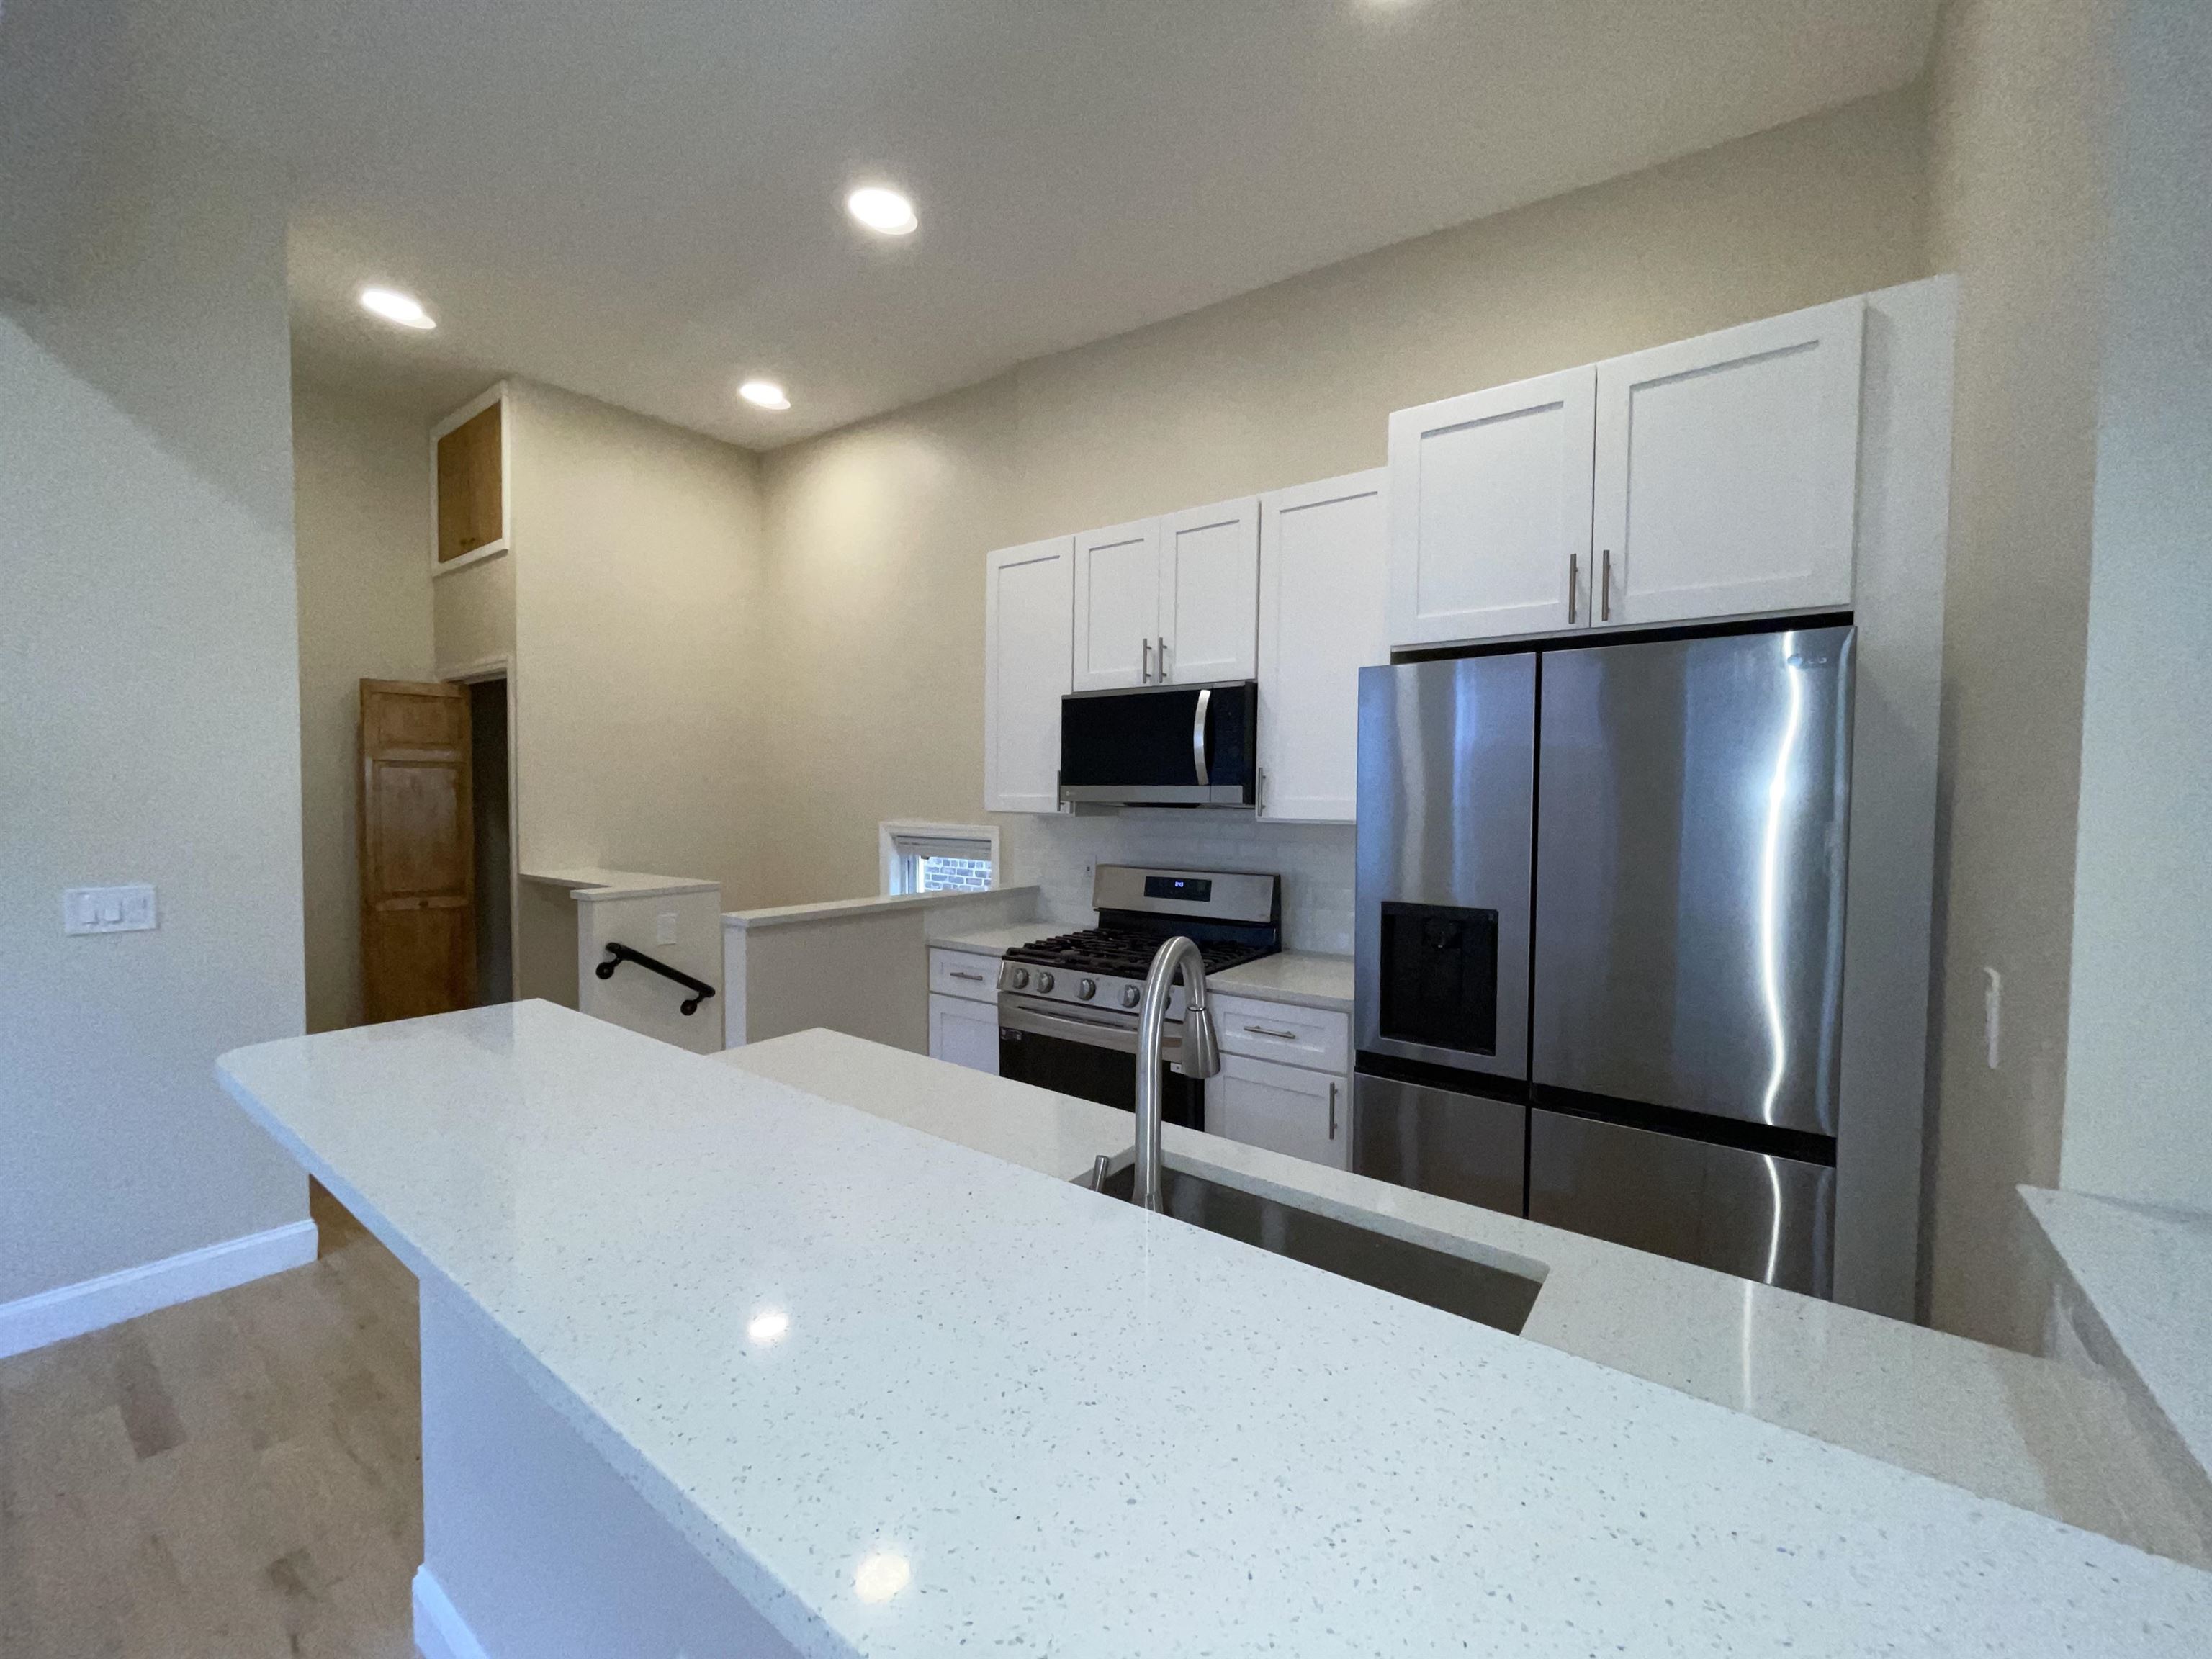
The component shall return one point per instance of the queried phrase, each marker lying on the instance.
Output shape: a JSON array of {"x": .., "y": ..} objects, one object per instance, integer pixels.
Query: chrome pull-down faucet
[{"x": 1201, "y": 1054}]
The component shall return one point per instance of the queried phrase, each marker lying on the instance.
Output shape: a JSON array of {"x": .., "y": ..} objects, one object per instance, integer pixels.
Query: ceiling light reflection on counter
[
  {"x": 882, "y": 209},
  {"x": 394, "y": 307},
  {"x": 881, "y": 1575},
  {"x": 764, "y": 394},
  {"x": 767, "y": 1327}
]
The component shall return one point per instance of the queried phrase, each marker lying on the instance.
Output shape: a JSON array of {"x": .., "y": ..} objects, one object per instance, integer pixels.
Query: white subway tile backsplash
[{"x": 1314, "y": 860}]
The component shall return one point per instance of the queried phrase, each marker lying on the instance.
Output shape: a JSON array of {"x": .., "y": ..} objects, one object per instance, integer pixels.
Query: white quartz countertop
[
  {"x": 997, "y": 941},
  {"x": 784, "y": 915},
  {"x": 585, "y": 885},
  {"x": 1297, "y": 976},
  {"x": 2147, "y": 1274},
  {"x": 1092, "y": 1430}
]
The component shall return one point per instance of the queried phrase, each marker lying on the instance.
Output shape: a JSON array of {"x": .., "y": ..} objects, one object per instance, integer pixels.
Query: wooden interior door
[{"x": 418, "y": 933}]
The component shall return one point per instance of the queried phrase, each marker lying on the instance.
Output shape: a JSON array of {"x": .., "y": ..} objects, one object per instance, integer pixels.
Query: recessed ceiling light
[
  {"x": 394, "y": 307},
  {"x": 882, "y": 209},
  {"x": 764, "y": 394}
]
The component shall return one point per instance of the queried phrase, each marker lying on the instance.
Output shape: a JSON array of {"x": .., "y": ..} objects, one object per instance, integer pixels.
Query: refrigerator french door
[{"x": 1678, "y": 979}]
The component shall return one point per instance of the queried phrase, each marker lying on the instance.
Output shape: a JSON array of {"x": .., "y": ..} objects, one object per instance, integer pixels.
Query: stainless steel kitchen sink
[{"x": 1437, "y": 1279}]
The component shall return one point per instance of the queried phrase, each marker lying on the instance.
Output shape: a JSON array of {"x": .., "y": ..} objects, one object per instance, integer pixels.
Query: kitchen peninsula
[{"x": 715, "y": 1363}]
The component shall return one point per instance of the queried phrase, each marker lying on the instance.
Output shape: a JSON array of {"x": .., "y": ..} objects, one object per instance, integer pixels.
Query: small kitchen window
[{"x": 939, "y": 858}]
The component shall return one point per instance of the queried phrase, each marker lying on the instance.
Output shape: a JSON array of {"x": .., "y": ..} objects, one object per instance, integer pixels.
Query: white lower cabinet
[
  {"x": 964, "y": 1033},
  {"x": 1283, "y": 1108}
]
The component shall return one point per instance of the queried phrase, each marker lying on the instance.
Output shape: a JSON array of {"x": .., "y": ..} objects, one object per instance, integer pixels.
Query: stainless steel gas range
[{"x": 1067, "y": 1006}]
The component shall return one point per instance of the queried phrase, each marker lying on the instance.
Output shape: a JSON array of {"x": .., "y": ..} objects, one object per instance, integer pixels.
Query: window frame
[{"x": 889, "y": 858}]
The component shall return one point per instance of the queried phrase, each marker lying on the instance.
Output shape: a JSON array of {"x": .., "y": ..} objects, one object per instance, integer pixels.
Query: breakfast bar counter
[{"x": 722, "y": 1366}]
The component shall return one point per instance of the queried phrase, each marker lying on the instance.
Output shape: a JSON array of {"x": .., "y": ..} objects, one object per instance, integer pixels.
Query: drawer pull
[
  {"x": 962, "y": 973},
  {"x": 1332, "y": 1110},
  {"x": 1270, "y": 1031}
]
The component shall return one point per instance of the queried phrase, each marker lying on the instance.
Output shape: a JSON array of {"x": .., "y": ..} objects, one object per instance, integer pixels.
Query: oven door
[{"x": 1092, "y": 1058}]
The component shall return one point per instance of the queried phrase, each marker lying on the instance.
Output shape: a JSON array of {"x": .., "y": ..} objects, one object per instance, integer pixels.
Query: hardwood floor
[{"x": 237, "y": 1477}]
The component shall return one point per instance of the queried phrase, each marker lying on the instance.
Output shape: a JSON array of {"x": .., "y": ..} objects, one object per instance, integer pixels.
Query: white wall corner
[{"x": 68, "y": 1310}]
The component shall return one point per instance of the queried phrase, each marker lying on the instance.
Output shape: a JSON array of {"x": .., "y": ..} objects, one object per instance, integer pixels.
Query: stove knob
[
  {"x": 1131, "y": 996},
  {"x": 1086, "y": 988},
  {"x": 1044, "y": 980},
  {"x": 1018, "y": 978}
]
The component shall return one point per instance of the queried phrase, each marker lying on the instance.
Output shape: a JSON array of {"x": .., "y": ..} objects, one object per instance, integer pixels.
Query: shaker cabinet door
[
  {"x": 1323, "y": 560},
  {"x": 1209, "y": 593},
  {"x": 1490, "y": 512},
  {"x": 1285, "y": 1108},
  {"x": 1727, "y": 471},
  {"x": 1117, "y": 607},
  {"x": 964, "y": 1033},
  {"x": 1027, "y": 616}
]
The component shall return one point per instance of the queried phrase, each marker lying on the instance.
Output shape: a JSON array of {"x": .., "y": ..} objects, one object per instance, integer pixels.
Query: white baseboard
[
  {"x": 55, "y": 1315},
  {"x": 439, "y": 1630}
]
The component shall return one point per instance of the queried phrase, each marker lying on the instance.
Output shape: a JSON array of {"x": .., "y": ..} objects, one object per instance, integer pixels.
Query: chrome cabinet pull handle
[
  {"x": 1260, "y": 801},
  {"x": 1148, "y": 661},
  {"x": 962, "y": 973},
  {"x": 1332, "y": 1109},
  {"x": 1163, "y": 659},
  {"x": 1270, "y": 1031},
  {"x": 1604, "y": 610},
  {"x": 1574, "y": 582}
]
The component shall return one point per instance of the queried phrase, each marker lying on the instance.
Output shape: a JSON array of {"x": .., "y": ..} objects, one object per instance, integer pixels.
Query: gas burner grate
[{"x": 1129, "y": 956}]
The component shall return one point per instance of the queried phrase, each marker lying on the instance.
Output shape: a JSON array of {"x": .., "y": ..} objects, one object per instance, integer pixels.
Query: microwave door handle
[{"x": 1198, "y": 734}]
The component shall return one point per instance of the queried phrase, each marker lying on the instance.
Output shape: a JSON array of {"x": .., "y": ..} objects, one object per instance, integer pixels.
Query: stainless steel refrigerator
[{"x": 1600, "y": 939}]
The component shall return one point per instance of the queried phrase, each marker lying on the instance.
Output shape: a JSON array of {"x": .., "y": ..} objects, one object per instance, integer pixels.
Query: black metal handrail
[{"x": 618, "y": 954}]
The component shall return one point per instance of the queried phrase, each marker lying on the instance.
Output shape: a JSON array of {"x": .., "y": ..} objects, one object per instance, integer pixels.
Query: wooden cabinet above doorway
[{"x": 471, "y": 482}]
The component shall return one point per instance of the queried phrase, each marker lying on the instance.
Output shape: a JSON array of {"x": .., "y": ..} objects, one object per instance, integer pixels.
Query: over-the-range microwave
[{"x": 1165, "y": 745}]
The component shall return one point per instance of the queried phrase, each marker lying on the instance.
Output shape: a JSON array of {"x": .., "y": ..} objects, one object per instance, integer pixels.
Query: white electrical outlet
[
  {"x": 1992, "y": 1011},
  {"x": 109, "y": 910},
  {"x": 664, "y": 933}
]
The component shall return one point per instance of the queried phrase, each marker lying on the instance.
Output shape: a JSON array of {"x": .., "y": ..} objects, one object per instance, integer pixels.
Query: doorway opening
[{"x": 493, "y": 832}]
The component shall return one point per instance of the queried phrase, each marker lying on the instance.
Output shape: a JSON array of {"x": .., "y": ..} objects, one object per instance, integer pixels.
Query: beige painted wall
[
  {"x": 872, "y": 682},
  {"x": 2018, "y": 121},
  {"x": 360, "y": 486},
  {"x": 149, "y": 720},
  {"x": 636, "y": 551}
]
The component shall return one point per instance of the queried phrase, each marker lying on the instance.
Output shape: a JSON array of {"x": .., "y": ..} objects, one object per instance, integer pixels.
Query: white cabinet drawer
[
  {"x": 1284, "y": 1032},
  {"x": 964, "y": 974}
]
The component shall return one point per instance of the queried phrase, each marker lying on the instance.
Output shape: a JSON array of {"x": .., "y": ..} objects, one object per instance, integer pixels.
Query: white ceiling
[{"x": 643, "y": 200}]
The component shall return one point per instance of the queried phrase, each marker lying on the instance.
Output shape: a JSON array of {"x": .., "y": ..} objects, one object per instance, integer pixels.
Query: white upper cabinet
[
  {"x": 1027, "y": 640},
  {"x": 1323, "y": 571},
  {"x": 1209, "y": 593},
  {"x": 1490, "y": 512},
  {"x": 1117, "y": 605},
  {"x": 1728, "y": 469}
]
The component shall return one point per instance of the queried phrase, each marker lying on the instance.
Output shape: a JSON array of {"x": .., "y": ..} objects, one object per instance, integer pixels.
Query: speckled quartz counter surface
[
  {"x": 1300, "y": 976},
  {"x": 2141, "y": 1280},
  {"x": 1092, "y": 1430},
  {"x": 2024, "y": 1431}
]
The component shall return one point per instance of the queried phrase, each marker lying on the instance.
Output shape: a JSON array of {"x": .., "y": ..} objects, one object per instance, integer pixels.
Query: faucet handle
[
  {"x": 1098, "y": 1172},
  {"x": 1201, "y": 1046}
]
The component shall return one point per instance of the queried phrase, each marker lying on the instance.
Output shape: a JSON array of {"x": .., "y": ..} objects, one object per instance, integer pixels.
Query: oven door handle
[{"x": 1073, "y": 1028}]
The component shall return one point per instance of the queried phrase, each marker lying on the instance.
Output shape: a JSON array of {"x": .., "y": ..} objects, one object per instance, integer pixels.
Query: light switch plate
[
  {"x": 666, "y": 933},
  {"x": 109, "y": 910}
]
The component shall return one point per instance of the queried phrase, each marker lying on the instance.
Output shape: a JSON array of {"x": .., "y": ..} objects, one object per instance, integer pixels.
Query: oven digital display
[{"x": 1190, "y": 889}]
